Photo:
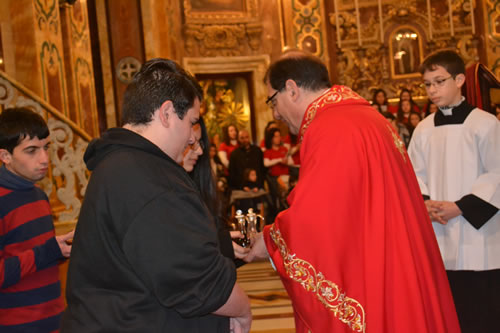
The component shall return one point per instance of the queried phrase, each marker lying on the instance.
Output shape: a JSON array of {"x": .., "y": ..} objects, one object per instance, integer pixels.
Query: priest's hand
[
  {"x": 258, "y": 250},
  {"x": 239, "y": 251},
  {"x": 448, "y": 210},
  {"x": 433, "y": 208}
]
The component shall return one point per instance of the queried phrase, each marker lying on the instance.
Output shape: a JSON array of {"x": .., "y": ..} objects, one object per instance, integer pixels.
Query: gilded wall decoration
[
  {"x": 53, "y": 79},
  {"x": 493, "y": 31},
  {"x": 221, "y": 28},
  {"x": 47, "y": 15},
  {"x": 220, "y": 11},
  {"x": 79, "y": 27},
  {"x": 380, "y": 44},
  {"x": 307, "y": 22},
  {"x": 86, "y": 96},
  {"x": 255, "y": 113},
  {"x": 226, "y": 102}
]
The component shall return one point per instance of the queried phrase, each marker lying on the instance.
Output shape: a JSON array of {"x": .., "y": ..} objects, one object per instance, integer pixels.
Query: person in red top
[
  {"x": 229, "y": 145},
  {"x": 355, "y": 251},
  {"x": 276, "y": 154}
]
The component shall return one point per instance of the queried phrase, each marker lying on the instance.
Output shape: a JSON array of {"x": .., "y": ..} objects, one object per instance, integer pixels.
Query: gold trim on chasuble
[
  {"x": 398, "y": 142},
  {"x": 346, "y": 309},
  {"x": 331, "y": 96}
]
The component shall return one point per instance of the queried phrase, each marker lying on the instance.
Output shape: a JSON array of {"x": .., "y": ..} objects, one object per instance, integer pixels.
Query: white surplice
[{"x": 454, "y": 160}]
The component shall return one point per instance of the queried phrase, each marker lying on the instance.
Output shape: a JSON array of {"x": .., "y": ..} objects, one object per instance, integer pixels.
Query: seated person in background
[
  {"x": 270, "y": 125},
  {"x": 218, "y": 169},
  {"x": 404, "y": 110},
  {"x": 379, "y": 100},
  {"x": 276, "y": 157},
  {"x": 405, "y": 95},
  {"x": 430, "y": 108},
  {"x": 497, "y": 111},
  {"x": 229, "y": 145},
  {"x": 403, "y": 132},
  {"x": 250, "y": 184},
  {"x": 413, "y": 121}
]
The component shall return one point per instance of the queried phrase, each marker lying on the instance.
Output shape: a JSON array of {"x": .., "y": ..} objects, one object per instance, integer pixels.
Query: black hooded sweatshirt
[{"x": 145, "y": 256}]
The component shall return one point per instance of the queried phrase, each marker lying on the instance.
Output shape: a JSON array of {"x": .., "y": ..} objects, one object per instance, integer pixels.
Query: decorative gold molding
[
  {"x": 257, "y": 65},
  {"x": 248, "y": 14}
]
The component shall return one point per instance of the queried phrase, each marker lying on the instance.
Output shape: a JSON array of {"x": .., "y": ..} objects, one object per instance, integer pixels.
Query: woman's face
[
  {"x": 406, "y": 106},
  {"x": 232, "y": 132},
  {"x": 213, "y": 152},
  {"x": 414, "y": 120},
  {"x": 433, "y": 108},
  {"x": 277, "y": 138},
  {"x": 405, "y": 96},
  {"x": 193, "y": 151},
  {"x": 380, "y": 98}
]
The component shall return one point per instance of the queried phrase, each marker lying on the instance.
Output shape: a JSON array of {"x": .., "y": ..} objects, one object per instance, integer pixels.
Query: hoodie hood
[{"x": 116, "y": 139}]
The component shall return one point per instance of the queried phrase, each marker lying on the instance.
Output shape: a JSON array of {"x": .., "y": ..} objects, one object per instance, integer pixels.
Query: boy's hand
[
  {"x": 433, "y": 208},
  {"x": 64, "y": 242},
  {"x": 448, "y": 210}
]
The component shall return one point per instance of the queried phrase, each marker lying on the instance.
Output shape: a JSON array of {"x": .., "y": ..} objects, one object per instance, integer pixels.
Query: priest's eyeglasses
[
  {"x": 437, "y": 83},
  {"x": 197, "y": 144},
  {"x": 271, "y": 100}
]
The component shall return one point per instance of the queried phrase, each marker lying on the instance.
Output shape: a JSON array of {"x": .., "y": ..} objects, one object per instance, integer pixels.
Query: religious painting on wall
[
  {"x": 226, "y": 101},
  {"x": 406, "y": 52}
]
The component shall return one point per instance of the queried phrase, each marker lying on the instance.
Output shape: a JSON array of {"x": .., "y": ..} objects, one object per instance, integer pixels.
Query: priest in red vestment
[{"x": 355, "y": 250}]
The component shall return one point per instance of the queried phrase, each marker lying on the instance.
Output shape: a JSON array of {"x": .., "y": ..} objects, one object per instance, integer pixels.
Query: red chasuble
[{"x": 356, "y": 250}]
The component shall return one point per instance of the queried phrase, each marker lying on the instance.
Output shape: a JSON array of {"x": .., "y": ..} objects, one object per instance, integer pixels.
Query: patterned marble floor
[{"x": 271, "y": 306}]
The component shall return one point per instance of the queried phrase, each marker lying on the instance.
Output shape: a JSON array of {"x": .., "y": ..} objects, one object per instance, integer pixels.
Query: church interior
[{"x": 71, "y": 61}]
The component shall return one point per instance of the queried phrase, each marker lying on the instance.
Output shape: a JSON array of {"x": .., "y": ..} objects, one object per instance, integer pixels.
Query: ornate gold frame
[
  {"x": 256, "y": 65},
  {"x": 391, "y": 51},
  {"x": 250, "y": 14}
]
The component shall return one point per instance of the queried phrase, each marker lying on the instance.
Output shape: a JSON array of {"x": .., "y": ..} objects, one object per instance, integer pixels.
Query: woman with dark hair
[
  {"x": 230, "y": 143},
  {"x": 413, "y": 121},
  {"x": 404, "y": 110},
  {"x": 196, "y": 162},
  {"x": 379, "y": 100},
  {"x": 405, "y": 95},
  {"x": 430, "y": 108}
]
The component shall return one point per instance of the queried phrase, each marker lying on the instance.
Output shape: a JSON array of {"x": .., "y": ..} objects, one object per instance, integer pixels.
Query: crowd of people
[
  {"x": 370, "y": 239},
  {"x": 406, "y": 115}
]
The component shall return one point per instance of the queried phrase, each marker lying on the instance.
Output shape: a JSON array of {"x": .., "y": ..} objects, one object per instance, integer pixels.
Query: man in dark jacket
[{"x": 146, "y": 255}]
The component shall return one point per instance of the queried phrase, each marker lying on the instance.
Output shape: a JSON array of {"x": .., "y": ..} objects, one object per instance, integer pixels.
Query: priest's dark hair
[
  {"x": 159, "y": 80},
  {"x": 16, "y": 124},
  {"x": 448, "y": 59},
  {"x": 308, "y": 72}
]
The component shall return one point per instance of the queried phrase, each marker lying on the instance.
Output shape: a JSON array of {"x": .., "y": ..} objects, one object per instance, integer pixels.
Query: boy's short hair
[
  {"x": 157, "y": 81},
  {"x": 447, "y": 59},
  {"x": 18, "y": 123}
]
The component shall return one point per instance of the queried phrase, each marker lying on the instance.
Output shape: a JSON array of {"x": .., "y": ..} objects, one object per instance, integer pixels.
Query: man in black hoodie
[{"x": 146, "y": 256}]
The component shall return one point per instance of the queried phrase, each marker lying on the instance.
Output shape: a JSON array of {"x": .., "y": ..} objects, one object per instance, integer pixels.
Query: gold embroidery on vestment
[
  {"x": 334, "y": 95},
  {"x": 346, "y": 309},
  {"x": 398, "y": 142}
]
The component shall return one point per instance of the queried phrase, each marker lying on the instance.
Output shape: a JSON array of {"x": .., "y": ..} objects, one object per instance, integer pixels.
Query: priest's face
[
  {"x": 443, "y": 88},
  {"x": 283, "y": 109}
]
